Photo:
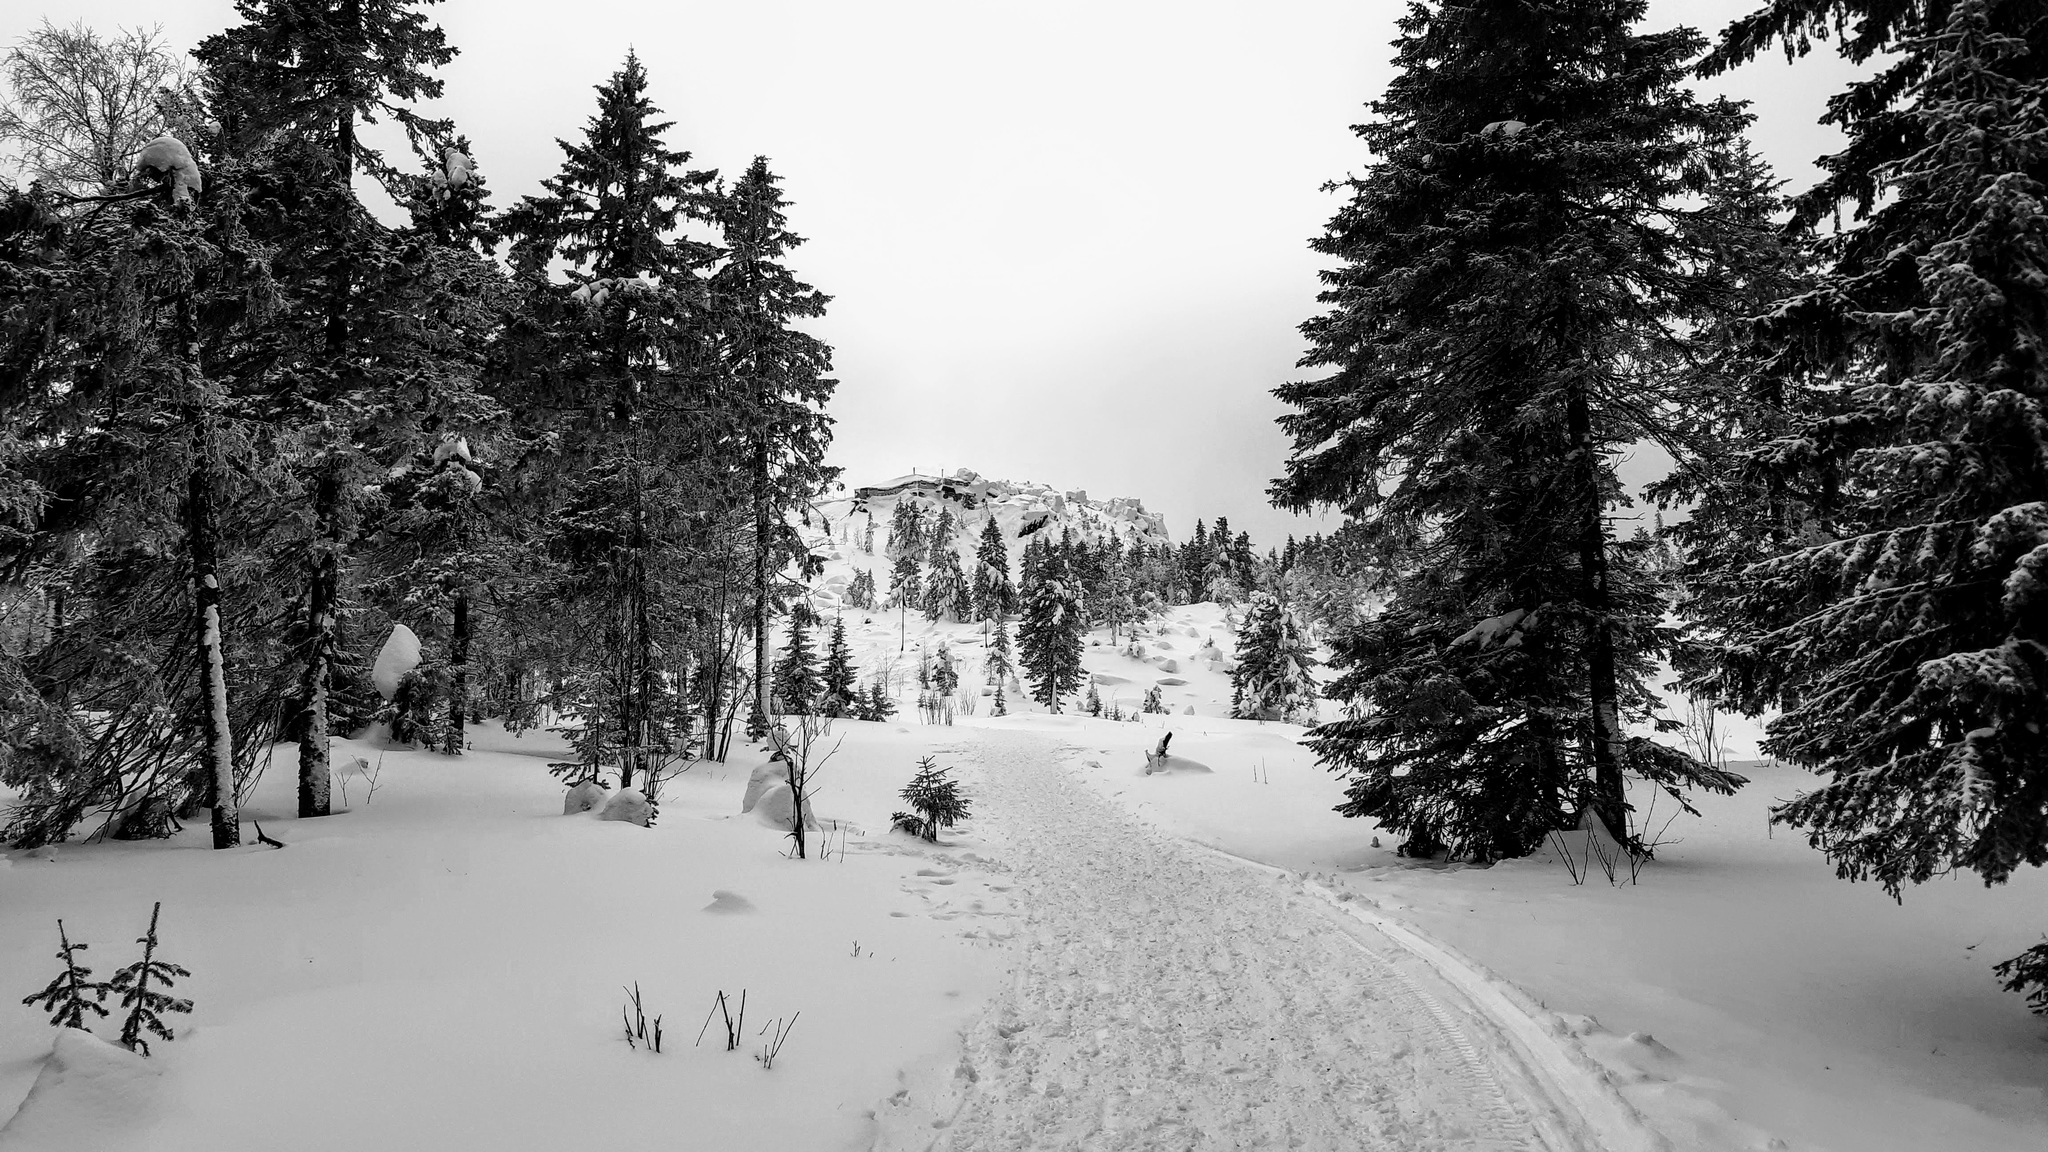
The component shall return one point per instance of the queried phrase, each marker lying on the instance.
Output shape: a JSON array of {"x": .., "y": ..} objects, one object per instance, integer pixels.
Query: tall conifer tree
[
  {"x": 1906, "y": 635},
  {"x": 1497, "y": 330}
]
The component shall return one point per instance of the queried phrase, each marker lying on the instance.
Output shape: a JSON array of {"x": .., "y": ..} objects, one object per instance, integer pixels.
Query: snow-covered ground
[{"x": 1081, "y": 965}]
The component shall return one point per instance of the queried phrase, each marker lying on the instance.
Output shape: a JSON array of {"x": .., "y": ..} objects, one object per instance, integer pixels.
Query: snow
[
  {"x": 168, "y": 155},
  {"x": 1098, "y": 957},
  {"x": 587, "y": 796},
  {"x": 628, "y": 805},
  {"x": 397, "y": 658},
  {"x": 88, "y": 1094}
]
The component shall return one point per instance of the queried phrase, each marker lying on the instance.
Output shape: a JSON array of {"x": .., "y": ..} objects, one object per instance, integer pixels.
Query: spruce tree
[
  {"x": 780, "y": 374},
  {"x": 906, "y": 580},
  {"x": 1273, "y": 679},
  {"x": 73, "y": 992},
  {"x": 611, "y": 367},
  {"x": 1903, "y": 636},
  {"x": 994, "y": 595},
  {"x": 861, "y": 592},
  {"x": 1498, "y": 330},
  {"x": 295, "y": 80},
  {"x": 1049, "y": 639},
  {"x": 796, "y": 674},
  {"x": 944, "y": 589},
  {"x": 839, "y": 681}
]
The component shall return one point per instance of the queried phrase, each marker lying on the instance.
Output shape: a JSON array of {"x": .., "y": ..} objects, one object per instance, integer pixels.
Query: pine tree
[
  {"x": 1155, "y": 702},
  {"x": 796, "y": 674},
  {"x": 1498, "y": 330},
  {"x": 138, "y": 986},
  {"x": 839, "y": 681},
  {"x": 1002, "y": 706},
  {"x": 1273, "y": 678},
  {"x": 1092, "y": 703},
  {"x": 1049, "y": 639},
  {"x": 73, "y": 992},
  {"x": 1903, "y": 636}
]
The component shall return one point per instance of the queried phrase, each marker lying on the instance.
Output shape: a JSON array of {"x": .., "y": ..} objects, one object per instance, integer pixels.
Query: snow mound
[
  {"x": 628, "y": 805},
  {"x": 583, "y": 797},
  {"x": 776, "y": 808},
  {"x": 89, "y": 1095},
  {"x": 726, "y": 902},
  {"x": 399, "y": 656},
  {"x": 1174, "y": 764},
  {"x": 765, "y": 776},
  {"x": 168, "y": 156}
]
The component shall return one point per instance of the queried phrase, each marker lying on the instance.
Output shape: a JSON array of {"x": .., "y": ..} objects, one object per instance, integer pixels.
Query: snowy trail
[{"x": 1168, "y": 998}]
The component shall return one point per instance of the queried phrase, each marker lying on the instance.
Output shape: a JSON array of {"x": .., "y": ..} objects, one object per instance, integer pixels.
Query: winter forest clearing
[{"x": 445, "y": 653}]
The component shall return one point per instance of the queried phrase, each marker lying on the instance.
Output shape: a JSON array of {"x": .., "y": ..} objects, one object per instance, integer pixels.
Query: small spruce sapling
[
  {"x": 143, "y": 1002},
  {"x": 66, "y": 997},
  {"x": 934, "y": 799}
]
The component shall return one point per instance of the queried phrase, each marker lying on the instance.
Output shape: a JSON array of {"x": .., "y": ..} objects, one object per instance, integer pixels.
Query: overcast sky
[{"x": 1066, "y": 241}]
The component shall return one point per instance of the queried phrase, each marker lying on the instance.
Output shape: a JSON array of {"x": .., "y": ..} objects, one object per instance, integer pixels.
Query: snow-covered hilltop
[{"x": 1021, "y": 508}]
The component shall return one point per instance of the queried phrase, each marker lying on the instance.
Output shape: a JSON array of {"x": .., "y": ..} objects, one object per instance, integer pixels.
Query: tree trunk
[
  {"x": 1610, "y": 801},
  {"x": 217, "y": 739},
  {"x": 322, "y": 591},
  {"x": 761, "y": 578},
  {"x": 458, "y": 677}
]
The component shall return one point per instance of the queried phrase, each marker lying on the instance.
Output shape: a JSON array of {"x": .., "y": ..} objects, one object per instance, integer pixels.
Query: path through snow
[{"x": 1167, "y": 998}]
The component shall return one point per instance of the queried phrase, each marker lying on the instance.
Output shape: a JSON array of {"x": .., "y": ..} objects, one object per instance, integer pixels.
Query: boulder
[
  {"x": 1169, "y": 665},
  {"x": 1171, "y": 682}
]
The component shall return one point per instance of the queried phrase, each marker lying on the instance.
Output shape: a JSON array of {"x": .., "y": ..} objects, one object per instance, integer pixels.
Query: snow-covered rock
[
  {"x": 399, "y": 656},
  {"x": 628, "y": 805},
  {"x": 1169, "y": 666},
  {"x": 583, "y": 797}
]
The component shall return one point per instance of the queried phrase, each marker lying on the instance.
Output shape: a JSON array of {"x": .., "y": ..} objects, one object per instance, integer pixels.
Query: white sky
[{"x": 1067, "y": 240}]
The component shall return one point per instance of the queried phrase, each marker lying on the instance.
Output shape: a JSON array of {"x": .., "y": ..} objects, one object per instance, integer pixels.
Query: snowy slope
[{"x": 443, "y": 966}]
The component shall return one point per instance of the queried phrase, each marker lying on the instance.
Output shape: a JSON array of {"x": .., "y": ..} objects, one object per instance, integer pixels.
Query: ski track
[{"x": 1165, "y": 997}]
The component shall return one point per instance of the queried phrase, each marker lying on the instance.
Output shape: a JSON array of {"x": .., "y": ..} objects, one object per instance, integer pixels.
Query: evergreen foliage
[{"x": 1902, "y": 631}]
